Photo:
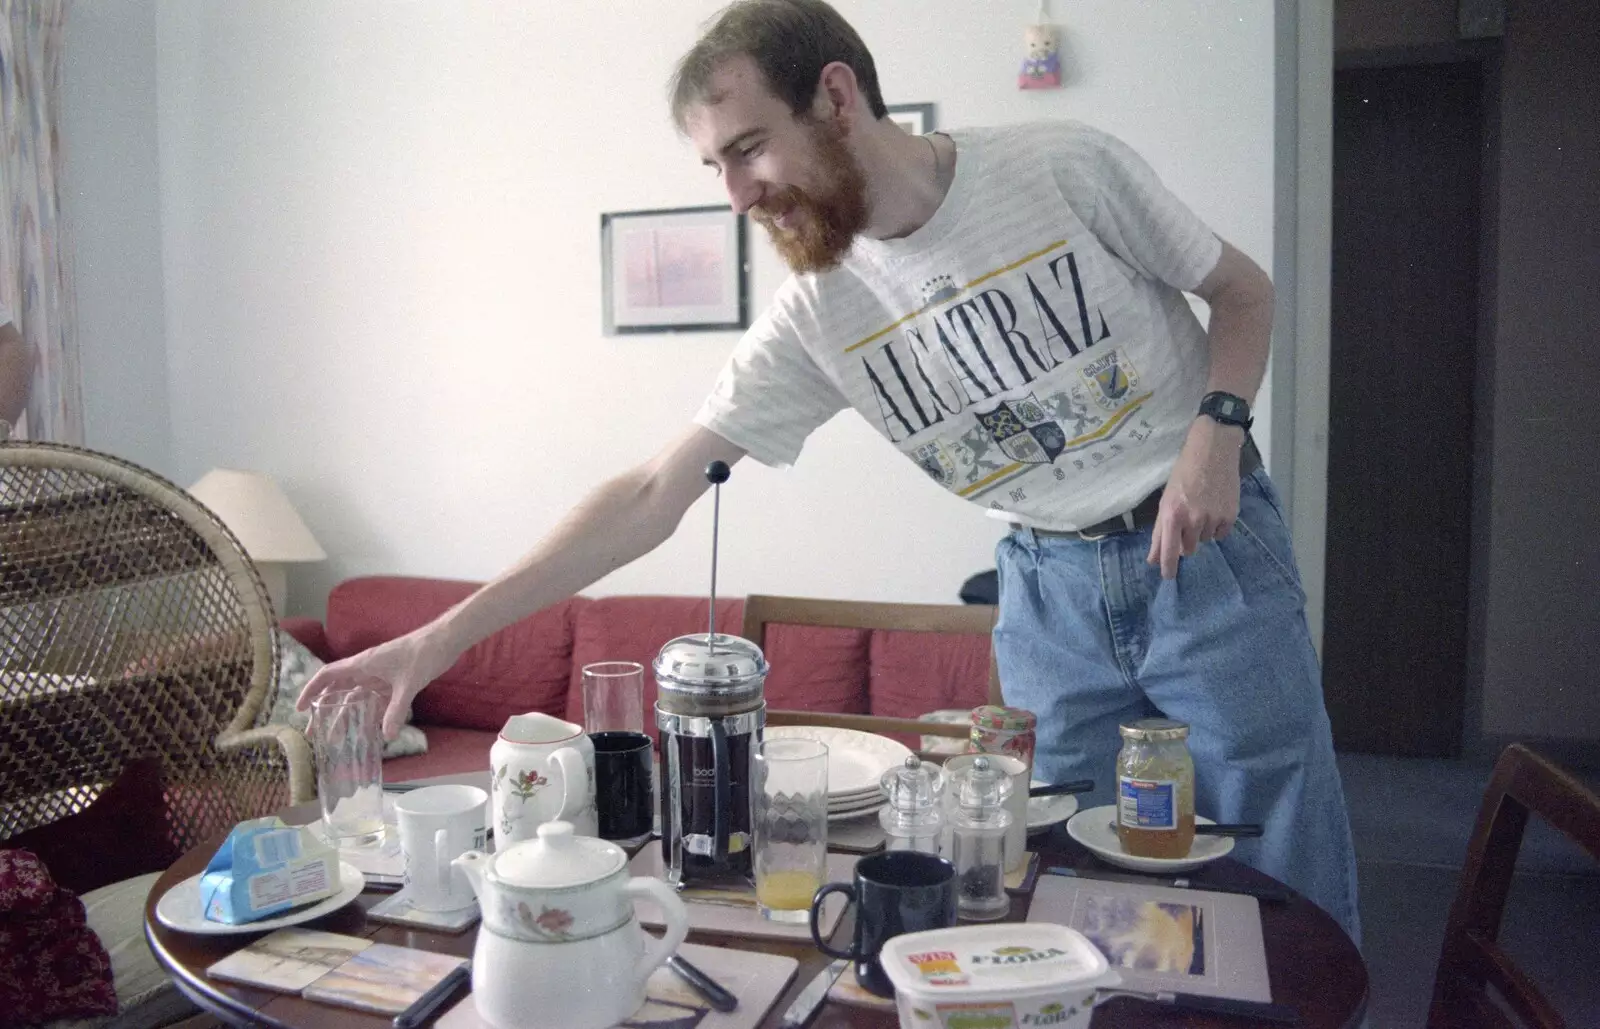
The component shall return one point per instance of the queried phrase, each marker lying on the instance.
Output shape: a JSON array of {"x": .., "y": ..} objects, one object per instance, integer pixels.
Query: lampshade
[{"x": 255, "y": 509}]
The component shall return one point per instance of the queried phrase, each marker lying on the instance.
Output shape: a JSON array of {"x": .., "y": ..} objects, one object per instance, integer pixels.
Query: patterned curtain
[{"x": 35, "y": 271}]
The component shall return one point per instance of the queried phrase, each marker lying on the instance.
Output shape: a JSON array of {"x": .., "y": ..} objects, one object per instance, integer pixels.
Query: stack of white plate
[{"x": 856, "y": 763}]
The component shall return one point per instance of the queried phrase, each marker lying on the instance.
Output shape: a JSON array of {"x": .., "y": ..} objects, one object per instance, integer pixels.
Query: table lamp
[{"x": 267, "y": 525}]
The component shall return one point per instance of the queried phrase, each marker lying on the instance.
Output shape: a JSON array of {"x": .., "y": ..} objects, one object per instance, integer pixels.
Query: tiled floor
[
  {"x": 1552, "y": 930},
  {"x": 1411, "y": 822}
]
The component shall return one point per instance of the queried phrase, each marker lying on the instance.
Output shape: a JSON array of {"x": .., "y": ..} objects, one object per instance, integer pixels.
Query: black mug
[
  {"x": 623, "y": 794},
  {"x": 896, "y": 892}
]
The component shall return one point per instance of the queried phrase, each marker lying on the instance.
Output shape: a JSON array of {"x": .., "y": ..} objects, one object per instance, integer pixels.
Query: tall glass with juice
[
  {"x": 1155, "y": 789},
  {"x": 790, "y": 804}
]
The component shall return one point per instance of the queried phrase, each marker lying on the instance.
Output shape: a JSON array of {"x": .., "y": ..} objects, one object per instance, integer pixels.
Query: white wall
[
  {"x": 111, "y": 200},
  {"x": 380, "y": 249}
]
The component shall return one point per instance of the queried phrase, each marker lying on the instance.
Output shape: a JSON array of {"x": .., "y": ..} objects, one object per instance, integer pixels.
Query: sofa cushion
[
  {"x": 451, "y": 751},
  {"x": 633, "y": 628},
  {"x": 916, "y": 672},
  {"x": 524, "y": 667},
  {"x": 121, "y": 834},
  {"x": 51, "y": 964},
  {"x": 817, "y": 668},
  {"x": 146, "y": 997}
]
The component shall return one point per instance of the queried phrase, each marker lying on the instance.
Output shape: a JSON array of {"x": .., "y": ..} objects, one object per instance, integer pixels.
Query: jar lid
[
  {"x": 557, "y": 859},
  {"x": 711, "y": 662},
  {"x": 1155, "y": 730},
  {"x": 1012, "y": 719}
]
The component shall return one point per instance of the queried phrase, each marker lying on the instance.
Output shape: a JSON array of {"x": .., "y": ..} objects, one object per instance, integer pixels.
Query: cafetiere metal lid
[{"x": 702, "y": 663}]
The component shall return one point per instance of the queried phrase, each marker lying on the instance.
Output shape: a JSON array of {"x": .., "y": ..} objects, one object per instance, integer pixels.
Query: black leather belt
[{"x": 1143, "y": 515}]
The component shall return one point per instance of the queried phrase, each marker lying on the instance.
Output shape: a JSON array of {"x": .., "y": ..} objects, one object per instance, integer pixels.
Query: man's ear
[{"x": 838, "y": 96}]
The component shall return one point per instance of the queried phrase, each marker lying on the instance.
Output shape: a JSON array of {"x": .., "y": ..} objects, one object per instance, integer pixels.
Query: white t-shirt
[{"x": 1029, "y": 347}]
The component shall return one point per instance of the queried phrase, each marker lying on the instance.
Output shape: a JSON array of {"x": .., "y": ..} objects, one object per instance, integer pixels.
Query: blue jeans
[{"x": 1090, "y": 636}]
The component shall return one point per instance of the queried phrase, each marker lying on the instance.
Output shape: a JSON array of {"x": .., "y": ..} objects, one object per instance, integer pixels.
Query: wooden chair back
[
  {"x": 1471, "y": 961},
  {"x": 973, "y": 619}
]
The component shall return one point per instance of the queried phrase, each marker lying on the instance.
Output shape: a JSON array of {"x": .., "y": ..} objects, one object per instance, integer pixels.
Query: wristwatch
[{"x": 1227, "y": 409}]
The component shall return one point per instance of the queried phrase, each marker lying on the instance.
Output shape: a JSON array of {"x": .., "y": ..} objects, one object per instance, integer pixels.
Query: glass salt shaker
[
  {"x": 977, "y": 841},
  {"x": 913, "y": 818}
]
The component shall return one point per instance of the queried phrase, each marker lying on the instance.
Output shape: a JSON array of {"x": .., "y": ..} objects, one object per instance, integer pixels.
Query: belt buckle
[{"x": 1128, "y": 525}]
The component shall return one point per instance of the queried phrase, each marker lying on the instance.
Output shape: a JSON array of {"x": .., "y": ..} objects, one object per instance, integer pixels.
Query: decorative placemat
[
  {"x": 757, "y": 980},
  {"x": 397, "y": 908},
  {"x": 732, "y": 910}
]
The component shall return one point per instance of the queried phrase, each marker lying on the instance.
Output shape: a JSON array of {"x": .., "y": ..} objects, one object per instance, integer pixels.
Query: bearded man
[{"x": 959, "y": 290}]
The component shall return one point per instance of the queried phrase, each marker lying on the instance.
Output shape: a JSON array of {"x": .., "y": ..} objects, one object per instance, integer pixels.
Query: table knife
[
  {"x": 1236, "y": 829},
  {"x": 1260, "y": 1011},
  {"x": 1269, "y": 894},
  {"x": 713, "y": 992},
  {"x": 810, "y": 999}
]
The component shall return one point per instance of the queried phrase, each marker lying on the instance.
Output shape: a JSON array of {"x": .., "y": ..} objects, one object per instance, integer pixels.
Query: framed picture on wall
[
  {"x": 914, "y": 118},
  {"x": 680, "y": 270}
]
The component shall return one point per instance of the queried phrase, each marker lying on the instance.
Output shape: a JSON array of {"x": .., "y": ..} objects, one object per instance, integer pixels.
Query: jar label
[{"x": 1148, "y": 803}]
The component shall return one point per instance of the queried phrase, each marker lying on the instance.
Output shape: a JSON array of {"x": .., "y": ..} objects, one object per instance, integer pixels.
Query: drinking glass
[
  {"x": 347, "y": 734},
  {"x": 791, "y": 826},
  {"x": 613, "y": 697}
]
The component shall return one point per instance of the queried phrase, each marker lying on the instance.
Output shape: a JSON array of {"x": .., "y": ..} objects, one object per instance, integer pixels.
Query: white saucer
[
  {"x": 179, "y": 908},
  {"x": 1043, "y": 812},
  {"x": 1092, "y": 828}
]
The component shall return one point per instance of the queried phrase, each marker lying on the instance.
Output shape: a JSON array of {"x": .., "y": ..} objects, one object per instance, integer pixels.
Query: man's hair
[{"x": 791, "y": 41}]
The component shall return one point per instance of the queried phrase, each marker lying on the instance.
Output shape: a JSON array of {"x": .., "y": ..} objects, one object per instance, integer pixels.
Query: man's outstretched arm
[{"x": 621, "y": 520}]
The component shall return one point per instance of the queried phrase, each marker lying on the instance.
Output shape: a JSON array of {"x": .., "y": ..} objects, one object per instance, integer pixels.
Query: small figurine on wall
[{"x": 1041, "y": 68}]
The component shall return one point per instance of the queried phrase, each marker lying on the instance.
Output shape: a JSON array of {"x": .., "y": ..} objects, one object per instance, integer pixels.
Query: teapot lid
[
  {"x": 558, "y": 859},
  {"x": 706, "y": 660}
]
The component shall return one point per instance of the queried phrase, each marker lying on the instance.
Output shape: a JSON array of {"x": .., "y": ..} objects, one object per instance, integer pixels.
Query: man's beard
[{"x": 830, "y": 217}]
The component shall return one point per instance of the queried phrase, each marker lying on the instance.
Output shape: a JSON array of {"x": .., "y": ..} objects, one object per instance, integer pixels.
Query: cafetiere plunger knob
[{"x": 717, "y": 472}]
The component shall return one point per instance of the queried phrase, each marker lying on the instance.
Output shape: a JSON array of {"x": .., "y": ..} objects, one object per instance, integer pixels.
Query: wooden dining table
[{"x": 1312, "y": 964}]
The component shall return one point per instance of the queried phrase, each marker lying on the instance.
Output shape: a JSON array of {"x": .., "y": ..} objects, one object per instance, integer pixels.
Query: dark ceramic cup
[{"x": 896, "y": 892}]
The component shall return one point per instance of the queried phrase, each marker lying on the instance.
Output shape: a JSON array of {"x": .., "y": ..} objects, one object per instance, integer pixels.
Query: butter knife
[{"x": 810, "y": 999}]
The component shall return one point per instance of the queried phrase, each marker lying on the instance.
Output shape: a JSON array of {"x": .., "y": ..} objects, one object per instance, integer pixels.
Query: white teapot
[
  {"x": 540, "y": 769},
  {"x": 559, "y": 937}
]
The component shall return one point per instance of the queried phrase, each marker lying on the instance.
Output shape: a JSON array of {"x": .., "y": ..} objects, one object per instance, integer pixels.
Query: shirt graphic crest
[{"x": 1024, "y": 430}]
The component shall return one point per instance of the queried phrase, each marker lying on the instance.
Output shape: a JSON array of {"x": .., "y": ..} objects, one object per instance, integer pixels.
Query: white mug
[
  {"x": 437, "y": 825},
  {"x": 1016, "y": 845}
]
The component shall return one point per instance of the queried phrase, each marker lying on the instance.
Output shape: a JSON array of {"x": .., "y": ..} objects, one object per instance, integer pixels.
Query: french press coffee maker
[{"x": 710, "y": 709}]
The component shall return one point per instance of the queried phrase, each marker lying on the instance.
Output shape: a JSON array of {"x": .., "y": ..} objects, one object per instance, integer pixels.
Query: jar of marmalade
[
  {"x": 1003, "y": 730},
  {"x": 1155, "y": 789}
]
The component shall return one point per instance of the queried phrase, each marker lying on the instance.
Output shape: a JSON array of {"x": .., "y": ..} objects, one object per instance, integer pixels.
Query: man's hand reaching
[
  {"x": 398, "y": 670},
  {"x": 1201, "y": 499}
]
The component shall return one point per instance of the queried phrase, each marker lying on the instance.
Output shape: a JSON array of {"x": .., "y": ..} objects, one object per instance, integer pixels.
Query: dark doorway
[{"x": 1406, "y": 211}]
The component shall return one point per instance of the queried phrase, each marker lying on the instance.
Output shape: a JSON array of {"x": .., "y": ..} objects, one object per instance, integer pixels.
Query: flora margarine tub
[{"x": 1010, "y": 975}]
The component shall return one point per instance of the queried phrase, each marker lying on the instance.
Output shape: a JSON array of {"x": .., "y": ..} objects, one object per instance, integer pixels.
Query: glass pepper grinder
[
  {"x": 914, "y": 816},
  {"x": 977, "y": 841}
]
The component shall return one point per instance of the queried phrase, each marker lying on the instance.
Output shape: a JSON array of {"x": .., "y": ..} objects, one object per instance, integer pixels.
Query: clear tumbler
[
  {"x": 347, "y": 734},
  {"x": 613, "y": 697},
  {"x": 791, "y": 826}
]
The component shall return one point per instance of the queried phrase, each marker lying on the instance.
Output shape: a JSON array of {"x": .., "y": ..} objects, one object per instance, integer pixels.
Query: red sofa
[{"x": 536, "y": 664}]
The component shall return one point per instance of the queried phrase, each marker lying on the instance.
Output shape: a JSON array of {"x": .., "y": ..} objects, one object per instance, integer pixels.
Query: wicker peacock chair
[{"x": 132, "y": 626}]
